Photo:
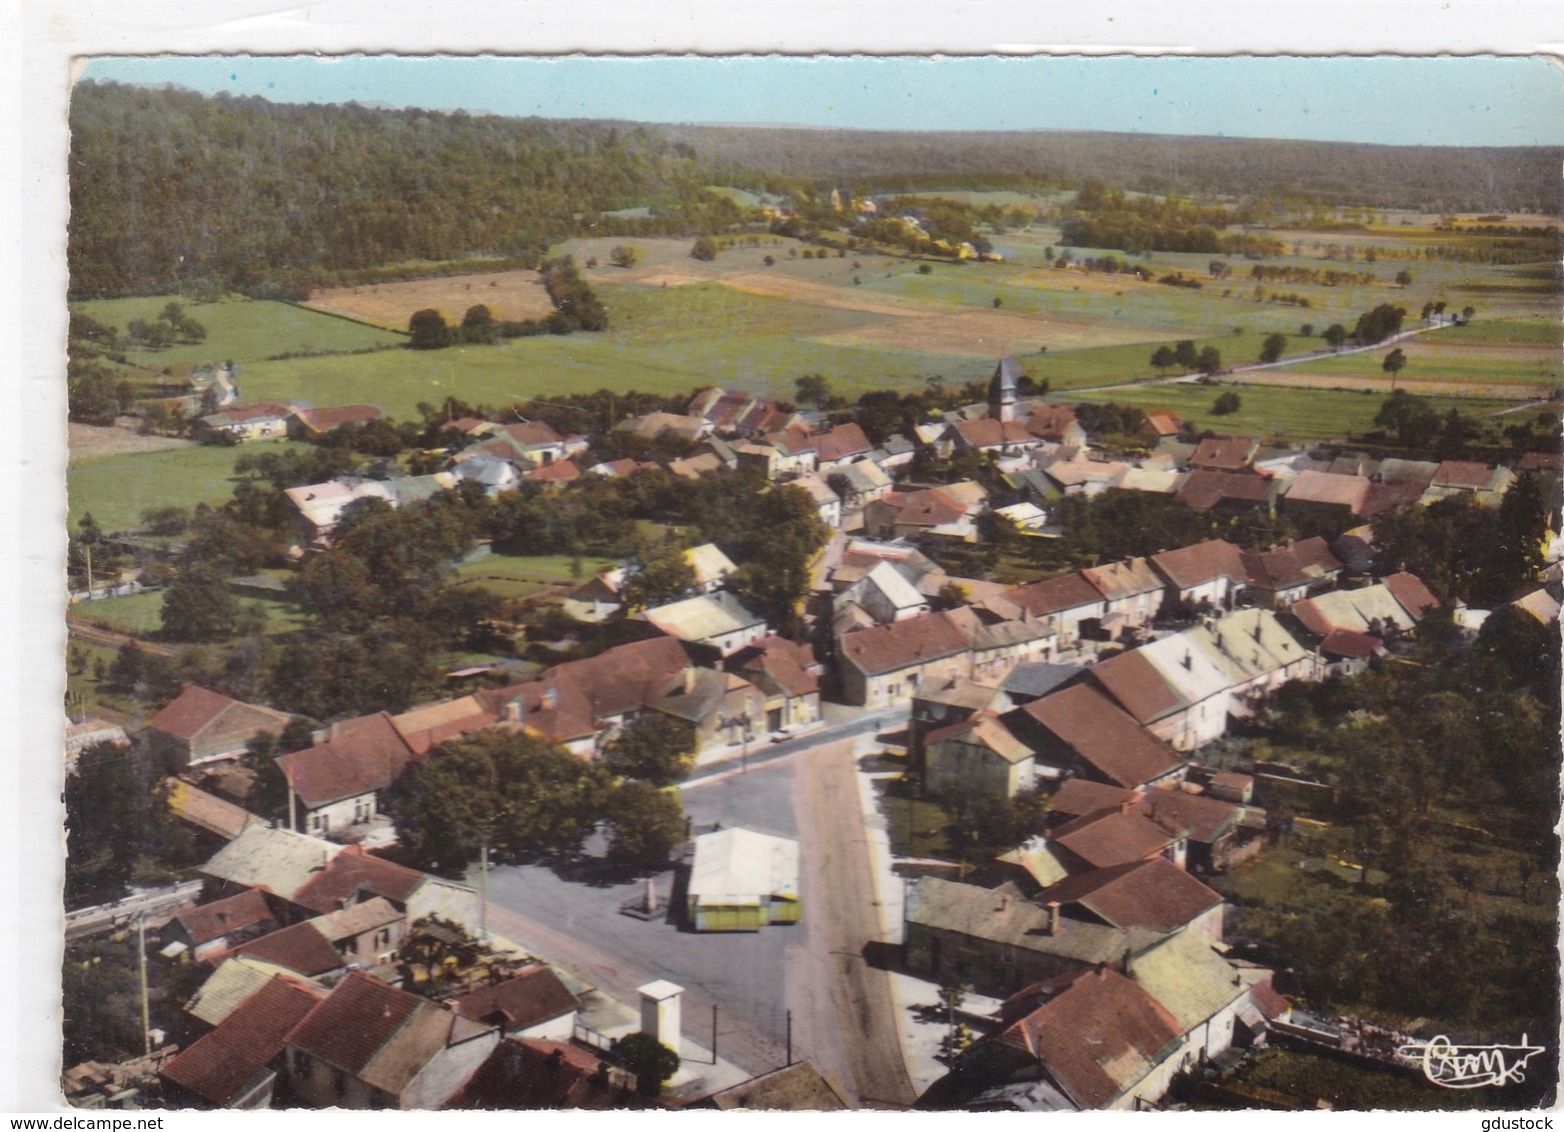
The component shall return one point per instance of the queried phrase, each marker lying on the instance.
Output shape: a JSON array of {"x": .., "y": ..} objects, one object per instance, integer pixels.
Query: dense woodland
[
  {"x": 1436, "y": 178},
  {"x": 174, "y": 191}
]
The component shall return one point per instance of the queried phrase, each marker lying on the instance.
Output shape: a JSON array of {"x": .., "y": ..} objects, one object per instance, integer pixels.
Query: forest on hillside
[
  {"x": 1433, "y": 178},
  {"x": 171, "y": 190}
]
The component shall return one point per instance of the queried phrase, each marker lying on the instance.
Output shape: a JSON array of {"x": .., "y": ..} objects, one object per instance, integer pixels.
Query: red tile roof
[
  {"x": 1203, "y": 819},
  {"x": 1082, "y": 796},
  {"x": 901, "y": 644},
  {"x": 1109, "y": 838},
  {"x": 357, "y": 871},
  {"x": 207, "y": 922},
  {"x": 1138, "y": 687},
  {"x": 1097, "y": 1038},
  {"x": 1154, "y": 894},
  {"x": 1541, "y": 462},
  {"x": 1164, "y": 424},
  {"x": 559, "y": 470},
  {"x": 324, "y": 420},
  {"x": 1050, "y": 422},
  {"x": 190, "y": 711},
  {"x": 536, "y": 995},
  {"x": 986, "y": 432},
  {"x": 1204, "y": 489},
  {"x": 528, "y": 1073},
  {"x": 1382, "y": 497},
  {"x": 360, "y": 1016},
  {"x": 1275, "y": 569},
  {"x": 1055, "y": 595},
  {"x": 1224, "y": 453},
  {"x": 300, "y": 948},
  {"x": 1412, "y": 594},
  {"x": 842, "y": 441},
  {"x": 359, "y": 756},
  {"x": 927, "y": 508},
  {"x": 532, "y": 433},
  {"x": 1463, "y": 473},
  {"x": 219, "y": 1065},
  {"x": 1106, "y": 738},
  {"x": 1326, "y": 489},
  {"x": 1191, "y": 566},
  {"x": 1350, "y": 643},
  {"x": 780, "y": 663}
]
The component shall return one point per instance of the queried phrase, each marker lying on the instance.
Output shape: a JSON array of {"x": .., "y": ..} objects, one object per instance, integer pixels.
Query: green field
[
  {"x": 516, "y": 576},
  {"x": 240, "y": 330},
  {"x": 117, "y": 489},
  {"x": 1274, "y": 413},
  {"x": 141, "y": 615}
]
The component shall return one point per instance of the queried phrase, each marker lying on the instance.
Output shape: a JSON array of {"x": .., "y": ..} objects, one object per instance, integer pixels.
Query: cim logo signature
[{"x": 1470, "y": 1067}]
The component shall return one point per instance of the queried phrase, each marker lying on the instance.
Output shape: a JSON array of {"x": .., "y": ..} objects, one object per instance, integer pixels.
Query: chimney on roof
[
  {"x": 1188, "y": 660},
  {"x": 1053, "y": 917},
  {"x": 1126, "y": 805},
  {"x": 1004, "y": 902}
]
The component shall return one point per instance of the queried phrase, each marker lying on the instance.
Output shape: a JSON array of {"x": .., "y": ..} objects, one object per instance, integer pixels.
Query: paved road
[
  {"x": 840, "y": 898},
  {"x": 764, "y": 751}
]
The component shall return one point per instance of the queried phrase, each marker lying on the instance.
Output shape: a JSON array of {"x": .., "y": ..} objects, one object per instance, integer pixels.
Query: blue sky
[{"x": 1428, "y": 101}]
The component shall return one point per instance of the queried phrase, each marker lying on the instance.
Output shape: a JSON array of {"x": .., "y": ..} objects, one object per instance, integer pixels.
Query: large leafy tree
[
  {"x": 645, "y": 823},
  {"x": 119, "y": 828},
  {"x": 651, "y": 1061},
  {"x": 517, "y": 794},
  {"x": 657, "y": 749}
]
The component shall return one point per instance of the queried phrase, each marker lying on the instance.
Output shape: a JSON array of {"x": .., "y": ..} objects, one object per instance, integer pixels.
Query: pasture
[
  {"x": 509, "y": 295},
  {"x": 240, "y": 330},
  {"x": 117, "y": 489},
  {"x": 1277, "y": 413},
  {"x": 511, "y": 576}
]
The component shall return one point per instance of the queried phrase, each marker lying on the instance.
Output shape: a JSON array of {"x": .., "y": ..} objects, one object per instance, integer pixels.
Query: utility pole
[
  {"x": 790, "y": 1037},
  {"x": 714, "y": 1033},
  {"x": 483, "y": 908},
  {"x": 141, "y": 968}
]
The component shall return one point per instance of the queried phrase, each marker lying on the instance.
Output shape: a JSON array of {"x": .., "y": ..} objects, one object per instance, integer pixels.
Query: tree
[
  {"x": 1227, "y": 404},
  {"x": 646, "y": 824},
  {"x": 1467, "y": 312},
  {"x": 665, "y": 577},
  {"x": 651, "y": 1061},
  {"x": 198, "y": 605},
  {"x": 656, "y": 748},
  {"x": 812, "y": 389},
  {"x": 517, "y": 794},
  {"x": 1306, "y": 330},
  {"x": 1185, "y": 354},
  {"x": 1209, "y": 360},
  {"x": 1273, "y": 348},
  {"x": 1376, "y": 325},
  {"x": 427, "y": 330},
  {"x": 119, "y": 828},
  {"x": 1335, "y": 334},
  {"x": 1163, "y": 359},
  {"x": 1403, "y": 278},
  {"x": 478, "y": 326},
  {"x": 706, "y": 249},
  {"x": 625, "y": 255},
  {"x": 1394, "y": 362}
]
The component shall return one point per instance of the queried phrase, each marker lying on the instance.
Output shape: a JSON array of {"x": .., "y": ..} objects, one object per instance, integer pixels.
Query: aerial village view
[{"x": 571, "y": 609}]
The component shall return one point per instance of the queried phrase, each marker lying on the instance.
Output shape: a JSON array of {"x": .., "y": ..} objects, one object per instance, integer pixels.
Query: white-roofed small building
[
  {"x": 719, "y": 620},
  {"x": 741, "y": 880}
]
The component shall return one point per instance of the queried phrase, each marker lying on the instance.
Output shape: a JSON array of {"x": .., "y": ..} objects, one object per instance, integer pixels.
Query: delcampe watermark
[{"x": 1470, "y": 1067}]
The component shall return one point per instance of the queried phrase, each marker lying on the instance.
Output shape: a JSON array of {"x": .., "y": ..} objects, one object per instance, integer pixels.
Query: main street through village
[{"x": 811, "y": 982}]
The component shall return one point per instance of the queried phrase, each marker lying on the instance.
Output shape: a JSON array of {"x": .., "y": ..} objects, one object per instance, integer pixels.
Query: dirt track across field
[
  {"x": 1453, "y": 387},
  {"x": 87, "y": 442}
]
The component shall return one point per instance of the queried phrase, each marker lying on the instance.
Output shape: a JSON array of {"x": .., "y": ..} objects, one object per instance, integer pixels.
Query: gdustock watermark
[{"x": 1471, "y": 1066}]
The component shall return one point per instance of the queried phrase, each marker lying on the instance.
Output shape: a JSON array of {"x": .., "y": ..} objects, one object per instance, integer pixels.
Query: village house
[
  {"x": 320, "y": 505},
  {"x": 1482, "y": 482},
  {"x": 221, "y": 925},
  {"x": 977, "y": 756},
  {"x": 865, "y": 481},
  {"x": 1187, "y": 714},
  {"x": 995, "y": 941},
  {"x": 711, "y": 567},
  {"x": 888, "y": 664},
  {"x": 941, "y": 705},
  {"x": 300, "y": 950},
  {"x": 1392, "y": 606},
  {"x": 531, "y": 1073},
  {"x": 1326, "y": 495},
  {"x": 842, "y": 445},
  {"x": 656, "y": 425},
  {"x": 236, "y": 1064},
  {"x": 1069, "y": 605},
  {"x": 826, "y": 501},
  {"x": 240, "y": 423},
  {"x": 1205, "y": 575},
  {"x": 992, "y": 436},
  {"x": 599, "y": 598},
  {"x": 312, "y": 424},
  {"x": 370, "y": 1045},
  {"x": 1078, "y": 731},
  {"x": 719, "y": 620},
  {"x": 1219, "y": 452},
  {"x": 366, "y": 933},
  {"x": 787, "y": 676},
  {"x": 1113, "y": 837},
  {"x": 1286, "y": 574},
  {"x": 928, "y": 512},
  {"x": 534, "y": 1003},
  {"x": 884, "y": 595},
  {"x": 1155, "y": 894},
  {"x": 200, "y": 726},
  {"x": 1227, "y": 493},
  {"x": 336, "y": 784},
  {"x": 1075, "y": 471},
  {"x": 1132, "y": 594}
]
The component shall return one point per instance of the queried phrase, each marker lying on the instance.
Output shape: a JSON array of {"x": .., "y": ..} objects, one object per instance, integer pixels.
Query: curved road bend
[{"x": 840, "y": 998}]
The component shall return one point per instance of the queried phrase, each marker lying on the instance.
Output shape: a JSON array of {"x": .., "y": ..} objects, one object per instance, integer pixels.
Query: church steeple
[{"x": 1002, "y": 390}]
